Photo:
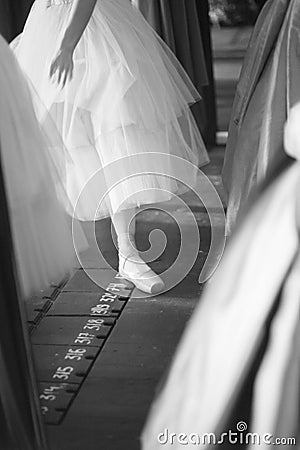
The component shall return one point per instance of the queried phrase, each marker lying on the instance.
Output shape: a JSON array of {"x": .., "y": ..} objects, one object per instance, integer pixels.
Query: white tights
[{"x": 124, "y": 224}]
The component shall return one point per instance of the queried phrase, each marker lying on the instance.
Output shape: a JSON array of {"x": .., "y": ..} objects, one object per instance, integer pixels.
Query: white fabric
[
  {"x": 129, "y": 96},
  {"x": 32, "y": 161},
  {"x": 221, "y": 341},
  {"x": 270, "y": 379}
]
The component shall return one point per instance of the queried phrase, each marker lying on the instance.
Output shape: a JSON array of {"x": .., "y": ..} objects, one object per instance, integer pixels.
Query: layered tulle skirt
[
  {"x": 33, "y": 163},
  {"x": 129, "y": 98}
]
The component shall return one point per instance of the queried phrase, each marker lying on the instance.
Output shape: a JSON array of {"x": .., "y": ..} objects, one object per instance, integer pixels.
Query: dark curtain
[
  {"x": 13, "y": 14},
  {"x": 208, "y": 91},
  {"x": 260, "y": 3},
  {"x": 184, "y": 26}
]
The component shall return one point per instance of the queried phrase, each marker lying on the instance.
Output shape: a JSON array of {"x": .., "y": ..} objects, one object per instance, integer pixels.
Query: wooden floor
[{"x": 102, "y": 351}]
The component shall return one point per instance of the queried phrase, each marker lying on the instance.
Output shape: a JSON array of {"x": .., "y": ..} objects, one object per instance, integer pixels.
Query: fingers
[
  {"x": 66, "y": 75},
  {"x": 59, "y": 76},
  {"x": 63, "y": 74},
  {"x": 65, "y": 79},
  {"x": 53, "y": 70},
  {"x": 62, "y": 68}
]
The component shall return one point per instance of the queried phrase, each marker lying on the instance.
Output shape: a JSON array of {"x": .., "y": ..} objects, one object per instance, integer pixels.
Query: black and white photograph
[{"x": 150, "y": 224}]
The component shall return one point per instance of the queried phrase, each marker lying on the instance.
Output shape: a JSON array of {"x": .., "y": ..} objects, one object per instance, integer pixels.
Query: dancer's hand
[{"x": 63, "y": 66}]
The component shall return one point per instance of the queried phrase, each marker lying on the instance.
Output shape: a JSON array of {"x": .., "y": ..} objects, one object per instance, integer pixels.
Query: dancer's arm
[
  {"x": 63, "y": 62},
  {"x": 81, "y": 14}
]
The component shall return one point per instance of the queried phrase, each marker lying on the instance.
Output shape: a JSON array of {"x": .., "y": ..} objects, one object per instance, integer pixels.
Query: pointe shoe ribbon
[{"x": 134, "y": 269}]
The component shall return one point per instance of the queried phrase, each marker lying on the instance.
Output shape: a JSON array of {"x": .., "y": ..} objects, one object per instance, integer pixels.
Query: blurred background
[{"x": 231, "y": 27}]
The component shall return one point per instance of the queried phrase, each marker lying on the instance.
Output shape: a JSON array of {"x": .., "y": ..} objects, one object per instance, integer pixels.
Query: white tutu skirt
[
  {"x": 41, "y": 229},
  {"x": 129, "y": 96}
]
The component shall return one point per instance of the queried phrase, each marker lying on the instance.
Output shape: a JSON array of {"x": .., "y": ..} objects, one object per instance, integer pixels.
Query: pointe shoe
[{"x": 134, "y": 269}]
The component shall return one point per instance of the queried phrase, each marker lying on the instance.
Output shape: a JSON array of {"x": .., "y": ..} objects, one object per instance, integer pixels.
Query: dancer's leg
[
  {"x": 124, "y": 225},
  {"x": 131, "y": 266}
]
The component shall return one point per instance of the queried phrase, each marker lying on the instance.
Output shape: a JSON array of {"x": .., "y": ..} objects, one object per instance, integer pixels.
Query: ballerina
[
  {"x": 33, "y": 163},
  {"x": 116, "y": 93}
]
